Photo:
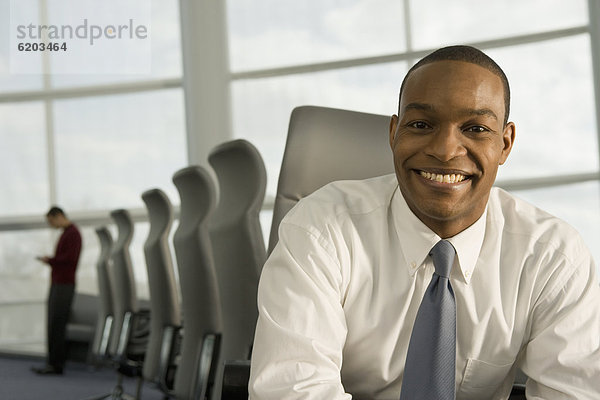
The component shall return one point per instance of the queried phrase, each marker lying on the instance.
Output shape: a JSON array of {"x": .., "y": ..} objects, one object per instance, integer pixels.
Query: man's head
[
  {"x": 57, "y": 218},
  {"x": 450, "y": 136}
]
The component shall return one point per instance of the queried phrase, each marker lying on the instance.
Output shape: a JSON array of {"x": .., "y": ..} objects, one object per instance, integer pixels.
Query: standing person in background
[{"x": 62, "y": 289}]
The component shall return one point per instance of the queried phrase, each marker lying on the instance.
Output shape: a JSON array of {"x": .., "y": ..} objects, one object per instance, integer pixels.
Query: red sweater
[{"x": 66, "y": 256}]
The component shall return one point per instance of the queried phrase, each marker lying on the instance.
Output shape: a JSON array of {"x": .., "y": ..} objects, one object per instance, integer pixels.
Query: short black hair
[
  {"x": 54, "y": 211},
  {"x": 467, "y": 54}
]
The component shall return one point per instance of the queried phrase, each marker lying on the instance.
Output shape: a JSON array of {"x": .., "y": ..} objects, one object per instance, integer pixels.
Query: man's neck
[{"x": 447, "y": 228}]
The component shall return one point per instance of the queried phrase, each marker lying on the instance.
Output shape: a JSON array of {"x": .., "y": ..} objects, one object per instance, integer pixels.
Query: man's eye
[
  {"x": 418, "y": 125},
  {"x": 476, "y": 129}
]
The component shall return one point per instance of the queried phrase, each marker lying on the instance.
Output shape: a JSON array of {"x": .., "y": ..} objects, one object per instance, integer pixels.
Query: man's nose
[{"x": 446, "y": 143}]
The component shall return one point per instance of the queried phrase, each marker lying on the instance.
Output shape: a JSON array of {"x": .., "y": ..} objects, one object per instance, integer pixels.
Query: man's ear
[
  {"x": 508, "y": 138},
  {"x": 393, "y": 127}
]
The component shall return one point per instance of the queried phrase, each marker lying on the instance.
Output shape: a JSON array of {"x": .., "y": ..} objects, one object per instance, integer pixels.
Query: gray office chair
[
  {"x": 325, "y": 145},
  {"x": 237, "y": 242},
  {"x": 123, "y": 282},
  {"x": 164, "y": 299},
  {"x": 129, "y": 334},
  {"x": 105, "y": 311},
  {"x": 202, "y": 321}
]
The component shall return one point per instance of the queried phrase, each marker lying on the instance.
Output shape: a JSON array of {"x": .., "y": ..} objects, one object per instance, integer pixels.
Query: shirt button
[
  {"x": 413, "y": 264},
  {"x": 468, "y": 274}
]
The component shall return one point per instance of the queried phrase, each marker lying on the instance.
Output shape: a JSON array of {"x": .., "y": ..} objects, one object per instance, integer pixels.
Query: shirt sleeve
[
  {"x": 67, "y": 250},
  {"x": 562, "y": 358},
  {"x": 301, "y": 328}
]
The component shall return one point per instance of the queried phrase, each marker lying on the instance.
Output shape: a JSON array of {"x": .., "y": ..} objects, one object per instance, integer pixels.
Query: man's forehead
[
  {"x": 452, "y": 78},
  {"x": 440, "y": 70}
]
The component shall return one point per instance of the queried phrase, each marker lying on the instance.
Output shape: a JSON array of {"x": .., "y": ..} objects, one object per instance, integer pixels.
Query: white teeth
[{"x": 448, "y": 178}]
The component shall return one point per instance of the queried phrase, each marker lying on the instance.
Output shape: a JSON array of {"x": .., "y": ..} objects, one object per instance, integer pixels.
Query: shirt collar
[{"x": 416, "y": 239}]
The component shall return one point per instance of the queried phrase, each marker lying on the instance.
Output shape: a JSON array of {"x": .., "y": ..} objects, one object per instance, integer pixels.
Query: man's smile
[{"x": 446, "y": 178}]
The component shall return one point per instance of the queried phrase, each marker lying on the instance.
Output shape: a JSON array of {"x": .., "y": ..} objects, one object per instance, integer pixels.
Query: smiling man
[{"x": 430, "y": 284}]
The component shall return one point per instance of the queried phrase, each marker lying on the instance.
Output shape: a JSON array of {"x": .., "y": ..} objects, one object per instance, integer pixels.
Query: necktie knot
[{"x": 443, "y": 254}]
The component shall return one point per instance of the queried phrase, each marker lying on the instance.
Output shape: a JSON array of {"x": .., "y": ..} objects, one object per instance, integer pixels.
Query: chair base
[{"x": 118, "y": 392}]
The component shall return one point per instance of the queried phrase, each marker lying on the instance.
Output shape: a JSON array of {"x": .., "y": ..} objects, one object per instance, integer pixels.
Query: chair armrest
[
  {"x": 134, "y": 334},
  {"x": 235, "y": 380},
  {"x": 207, "y": 365},
  {"x": 517, "y": 392},
  {"x": 169, "y": 350}
]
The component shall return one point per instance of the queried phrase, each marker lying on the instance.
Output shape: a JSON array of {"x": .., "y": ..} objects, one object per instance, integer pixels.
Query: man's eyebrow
[
  {"x": 482, "y": 112},
  {"x": 418, "y": 106}
]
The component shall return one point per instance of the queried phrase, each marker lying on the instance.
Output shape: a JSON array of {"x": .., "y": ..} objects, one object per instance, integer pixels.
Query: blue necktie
[{"x": 429, "y": 372}]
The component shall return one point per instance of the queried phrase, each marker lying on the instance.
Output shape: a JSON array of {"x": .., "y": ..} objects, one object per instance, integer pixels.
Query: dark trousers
[{"x": 59, "y": 308}]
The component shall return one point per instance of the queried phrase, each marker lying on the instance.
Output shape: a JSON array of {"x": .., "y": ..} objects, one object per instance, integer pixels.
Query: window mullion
[{"x": 47, "y": 85}]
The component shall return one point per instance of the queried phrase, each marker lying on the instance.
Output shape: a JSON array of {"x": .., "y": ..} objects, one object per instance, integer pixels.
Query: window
[
  {"x": 261, "y": 107},
  {"x": 438, "y": 23},
  {"x": 88, "y": 142},
  {"x": 273, "y": 33},
  {"x": 23, "y": 154},
  {"x": 11, "y": 82},
  {"x": 552, "y": 107},
  {"x": 111, "y": 148},
  {"x": 165, "y": 48}
]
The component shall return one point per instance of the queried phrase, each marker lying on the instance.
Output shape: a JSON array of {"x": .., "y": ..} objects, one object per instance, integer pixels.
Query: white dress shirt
[{"x": 339, "y": 295}]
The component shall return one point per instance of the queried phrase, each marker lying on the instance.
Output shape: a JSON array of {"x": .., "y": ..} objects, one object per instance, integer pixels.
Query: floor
[{"x": 79, "y": 381}]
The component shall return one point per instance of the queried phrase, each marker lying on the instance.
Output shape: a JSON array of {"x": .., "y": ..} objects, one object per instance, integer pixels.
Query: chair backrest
[
  {"x": 237, "y": 241},
  {"x": 105, "y": 311},
  {"x": 121, "y": 276},
  {"x": 197, "y": 277},
  {"x": 164, "y": 298},
  {"x": 325, "y": 145}
]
